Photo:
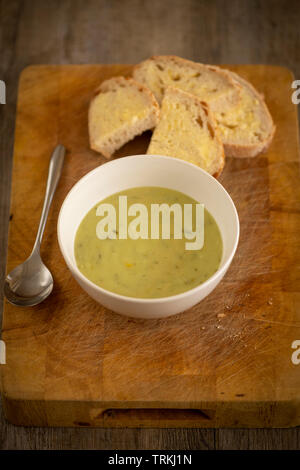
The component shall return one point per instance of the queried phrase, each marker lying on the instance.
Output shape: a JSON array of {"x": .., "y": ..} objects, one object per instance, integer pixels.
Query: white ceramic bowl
[{"x": 146, "y": 170}]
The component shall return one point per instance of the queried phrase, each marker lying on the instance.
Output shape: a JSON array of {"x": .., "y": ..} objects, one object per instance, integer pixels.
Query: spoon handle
[{"x": 54, "y": 173}]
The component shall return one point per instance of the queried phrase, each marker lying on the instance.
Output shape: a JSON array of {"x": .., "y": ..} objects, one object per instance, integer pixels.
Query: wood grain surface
[{"x": 87, "y": 32}]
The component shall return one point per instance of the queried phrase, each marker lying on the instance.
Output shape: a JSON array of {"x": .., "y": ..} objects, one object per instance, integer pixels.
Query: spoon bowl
[{"x": 29, "y": 283}]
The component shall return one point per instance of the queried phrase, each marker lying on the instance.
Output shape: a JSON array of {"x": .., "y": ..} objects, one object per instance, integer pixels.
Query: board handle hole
[{"x": 156, "y": 414}]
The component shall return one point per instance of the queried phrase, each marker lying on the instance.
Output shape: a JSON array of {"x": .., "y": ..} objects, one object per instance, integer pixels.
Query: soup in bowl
[{"x": 131, "y": 233}]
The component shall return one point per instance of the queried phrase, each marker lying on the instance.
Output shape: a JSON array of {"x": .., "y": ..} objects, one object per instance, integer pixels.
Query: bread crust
[
  {"x": 212, "y": 120},
  {"x": 251, "y": 150}
]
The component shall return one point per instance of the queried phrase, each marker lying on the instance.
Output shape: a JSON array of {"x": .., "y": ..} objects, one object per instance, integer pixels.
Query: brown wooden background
[{"x": 126, "y": 31}]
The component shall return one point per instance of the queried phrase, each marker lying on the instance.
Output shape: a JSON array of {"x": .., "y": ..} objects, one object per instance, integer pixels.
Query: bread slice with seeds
[
  {"x": 207, "y": 82},
  {"x": 247, "y": 129},
  {"x": 187, "y": 130},
  {"x": 120, "y": 110}
]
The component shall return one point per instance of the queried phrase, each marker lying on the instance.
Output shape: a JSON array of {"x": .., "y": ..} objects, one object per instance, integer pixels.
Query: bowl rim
[{"x": 146, "y": 300}]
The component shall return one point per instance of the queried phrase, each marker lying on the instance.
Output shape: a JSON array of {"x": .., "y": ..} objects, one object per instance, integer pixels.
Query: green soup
[{"x": 146, "y": 268}]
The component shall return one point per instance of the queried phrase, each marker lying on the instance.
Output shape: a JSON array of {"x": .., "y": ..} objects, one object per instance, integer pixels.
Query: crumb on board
[{"x": 221, "y": 315}]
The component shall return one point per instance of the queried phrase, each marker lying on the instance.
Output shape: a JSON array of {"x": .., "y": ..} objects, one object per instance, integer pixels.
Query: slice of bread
[
  {"x": 120, "y": 110},
  {"x": 209, "y": 83},
  {"x": 247, "y": 129},
  {"x": 187, "y": 130}
]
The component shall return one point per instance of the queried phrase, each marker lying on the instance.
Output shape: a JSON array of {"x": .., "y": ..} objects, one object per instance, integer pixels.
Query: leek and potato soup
[{"x": 146, "y": 267}]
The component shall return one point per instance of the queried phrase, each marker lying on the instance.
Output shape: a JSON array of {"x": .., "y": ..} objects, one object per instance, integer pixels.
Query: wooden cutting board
[{"x": 225, "y": 362}]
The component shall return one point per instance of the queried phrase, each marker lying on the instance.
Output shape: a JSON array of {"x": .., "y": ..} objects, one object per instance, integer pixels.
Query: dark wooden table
[{"x": 126, "y": 31}]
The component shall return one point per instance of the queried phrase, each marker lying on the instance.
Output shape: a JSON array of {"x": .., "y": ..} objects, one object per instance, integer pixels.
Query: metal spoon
[{"x": 31, "y": 282}]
